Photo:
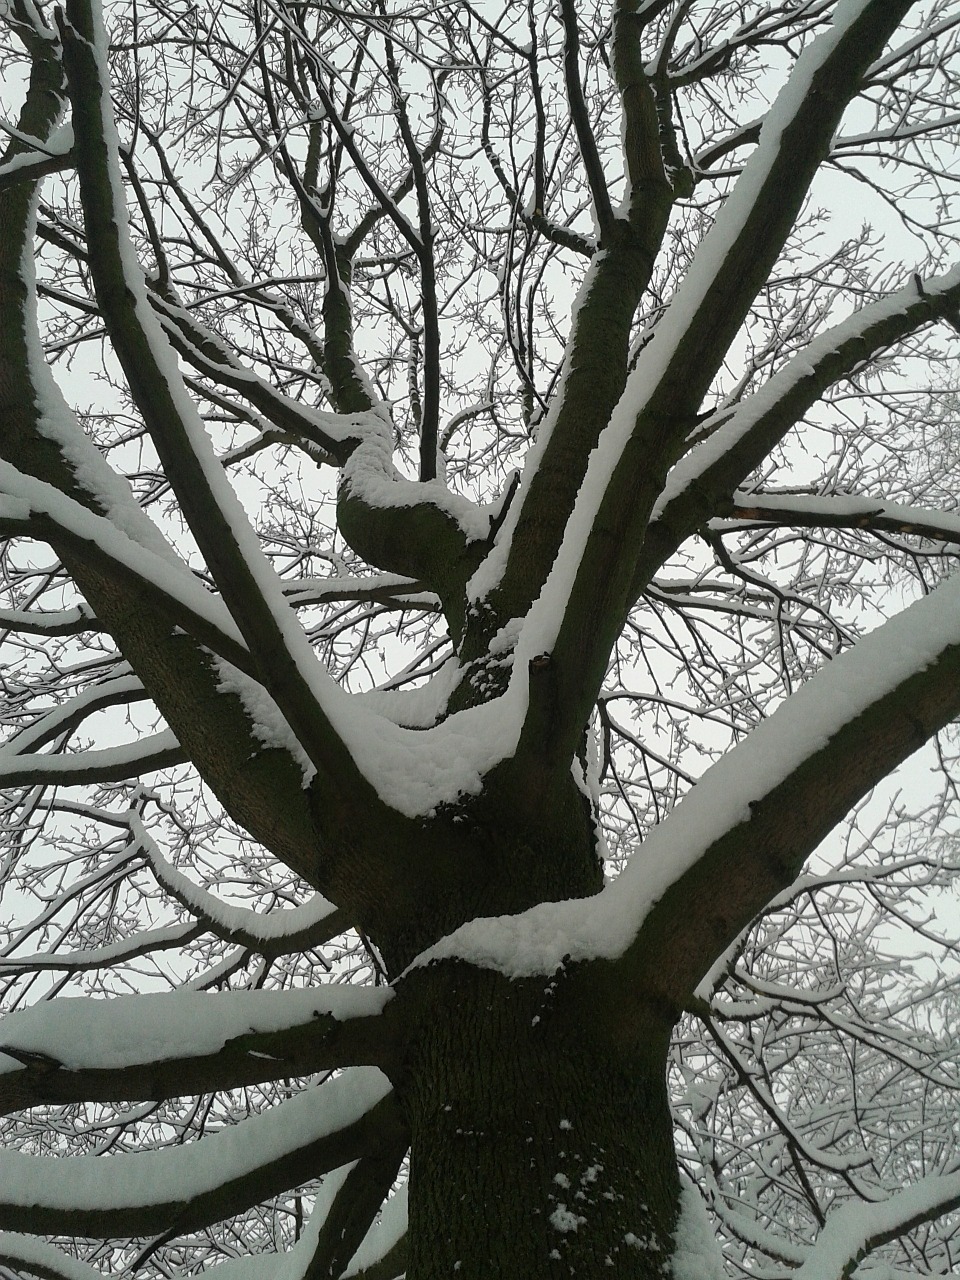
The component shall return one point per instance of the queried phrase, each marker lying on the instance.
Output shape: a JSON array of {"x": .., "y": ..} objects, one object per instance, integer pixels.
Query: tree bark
[{"x": 541, "y": 1139}]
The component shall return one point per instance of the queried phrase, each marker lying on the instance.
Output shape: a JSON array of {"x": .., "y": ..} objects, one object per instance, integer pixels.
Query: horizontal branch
[
  {"x": 837, "y": 511},
  {"x": 854, "y": 1230},
  {"x": 119, "y": 1050},
  {"x": 187, "y": 1188},
  {"x": 53, "y": 622},
  {"x": 104, "y": 764},
  {"x": 146, "y": 942}
]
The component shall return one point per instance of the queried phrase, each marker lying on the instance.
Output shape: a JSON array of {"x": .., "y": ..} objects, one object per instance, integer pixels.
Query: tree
[{"x": 620, "y": 581}]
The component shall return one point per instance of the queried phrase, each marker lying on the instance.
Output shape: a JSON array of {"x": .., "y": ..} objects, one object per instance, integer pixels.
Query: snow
[
  {"x": 57, "y": 421},
  {"x": 268, "y": 723},
  {"x": 752, "y": 411},
  {"x": 130, "y": 756},
  {"x": 383, "y": 1235},
  {"x": 696, "y": 1254},
  {"x": 33, "y": 1256},
  {"x": 371, "y": 476},
  {"x": 850, "y": 1228},
  {"x": 171, "y": 577},
  {"x": 851, "y": 507},
  {"x": 538, "y": 941},
  {"x": 91, "y": 1183},
  {"x": 565, "y": 1221},
  {"x": 128, "y": 1031}
]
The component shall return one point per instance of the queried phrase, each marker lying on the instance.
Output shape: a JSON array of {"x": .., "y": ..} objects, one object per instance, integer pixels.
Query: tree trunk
[{"x": 541, "y": 1135}]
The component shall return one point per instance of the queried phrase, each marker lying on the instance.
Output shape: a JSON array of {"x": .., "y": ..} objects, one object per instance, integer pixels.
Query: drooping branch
[
  {"x": 273, "y": 933},
  {"x": 216, "y": 1177}
]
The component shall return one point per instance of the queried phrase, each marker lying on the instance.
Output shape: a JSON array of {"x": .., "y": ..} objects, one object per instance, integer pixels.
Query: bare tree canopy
[{"x": 478, "y": 496}]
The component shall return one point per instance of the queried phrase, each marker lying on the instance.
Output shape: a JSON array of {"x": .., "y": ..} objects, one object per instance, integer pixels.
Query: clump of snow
[
  {"x": 696, "y": 1254},
  {"x": 371, "y": 475},
  {"x": 565, "y": 1220},
  {"x": 268, "y": 723}
]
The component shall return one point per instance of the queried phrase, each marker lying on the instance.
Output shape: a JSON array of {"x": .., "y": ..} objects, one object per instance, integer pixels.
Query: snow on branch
[
  {"x": 63, "y": 719},
  {"x": 36, "y": 509},
  {"x": 839, "y": 510},
  {"x": 730, "y": 445},
  {"x": 84, "y": 1034},
  {"x": 279, "y": 932},
  {"x": 105, "y": 764},
  {"x": 335, "y": 433},
  {"x": 215, "y": 1177},
  {"x": 854, "y": 1230},
  {"x": 37, "y": 1258},
  {"x": 286, "y": 663}
]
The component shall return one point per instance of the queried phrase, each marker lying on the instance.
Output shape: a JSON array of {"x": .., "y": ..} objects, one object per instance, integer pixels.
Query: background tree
[{"x": 578, "y": 601}]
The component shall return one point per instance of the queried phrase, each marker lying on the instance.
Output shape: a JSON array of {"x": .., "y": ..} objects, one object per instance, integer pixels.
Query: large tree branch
[
  {"x": 355, "y": 1206},
  {"x": 835, "y": 511},
  {"x": 108, "y": 764},
  {"x": 589, "y": 589},
  {"x": 742, "y": 834},
  {"x": 136, "y": 1048},
  {"x": 287, "y": 666},
  {"x": 262, "y": 789},
  {"x": 190, "y": 1187},
  {"x": 272, "y": 933}
]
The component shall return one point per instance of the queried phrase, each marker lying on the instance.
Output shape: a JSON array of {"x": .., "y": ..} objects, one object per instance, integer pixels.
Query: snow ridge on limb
[
  {"x": 215, "y": 1177},
  {"x": 854, "y": 1230},
  {"x": 335, "y": 433},
  {"x": 37, "y": 1258},
  {"x": 903, "y": 675},
  {"x": 49, "y": 514},
  {"x": 837, "y": 510},
  {"x": 223, "y": 1041},
  {"x": 85, "y": 1033}
]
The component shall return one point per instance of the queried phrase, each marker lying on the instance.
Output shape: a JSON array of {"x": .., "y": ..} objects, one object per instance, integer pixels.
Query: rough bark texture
[{"x": 541, "y": 1140}]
